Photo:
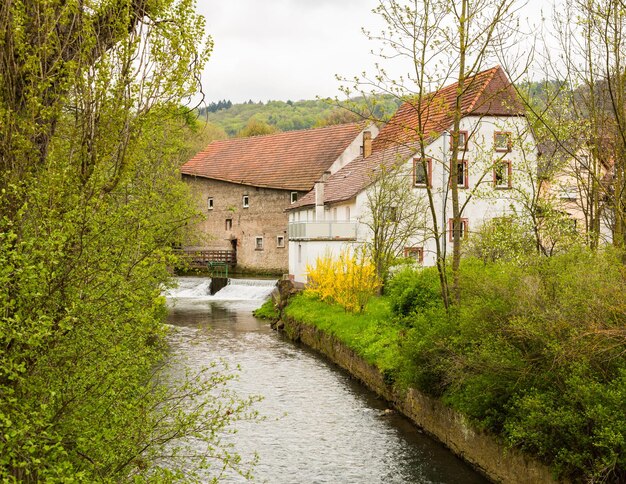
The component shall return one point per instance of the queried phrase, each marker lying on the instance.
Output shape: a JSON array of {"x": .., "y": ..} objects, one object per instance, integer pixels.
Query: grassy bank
[{"x": 535, "y": 352}]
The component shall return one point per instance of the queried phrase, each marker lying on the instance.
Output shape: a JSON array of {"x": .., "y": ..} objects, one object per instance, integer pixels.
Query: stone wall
[
  {"x": 264, "y": 218},
  {"x": 485, "y": 452}
]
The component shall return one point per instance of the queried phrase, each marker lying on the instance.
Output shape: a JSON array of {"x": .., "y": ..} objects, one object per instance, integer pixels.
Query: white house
[{"x": 497, "y": 160}]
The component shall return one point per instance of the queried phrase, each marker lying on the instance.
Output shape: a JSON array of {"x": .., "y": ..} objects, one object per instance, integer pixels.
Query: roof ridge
[{"x": 487, "y": 82}]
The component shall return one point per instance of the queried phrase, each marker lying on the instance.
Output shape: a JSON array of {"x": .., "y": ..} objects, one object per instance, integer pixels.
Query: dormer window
[
  {"x": 502, "y": 141},
  {"x": 245, "y": 202}
]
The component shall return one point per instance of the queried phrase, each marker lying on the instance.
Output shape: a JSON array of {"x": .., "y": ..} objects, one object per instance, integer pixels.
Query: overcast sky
[{"x": 287, "y": 49}]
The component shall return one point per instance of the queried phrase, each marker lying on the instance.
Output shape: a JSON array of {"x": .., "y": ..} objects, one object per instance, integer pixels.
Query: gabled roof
[
  {"x": 293, "y": 160},
  {"x": 487, "y": 93}
]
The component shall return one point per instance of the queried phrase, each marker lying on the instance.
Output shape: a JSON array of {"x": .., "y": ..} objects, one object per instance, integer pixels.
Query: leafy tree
[
  {"x": 394, "y": 215},
  {"x": 90, "y": 202},
  {"x": 443, "y": 43},
  {"x": 256, "y": 128}
]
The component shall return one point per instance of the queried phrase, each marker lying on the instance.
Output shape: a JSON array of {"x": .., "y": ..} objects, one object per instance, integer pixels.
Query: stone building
[{"x": 244, "y": 187}]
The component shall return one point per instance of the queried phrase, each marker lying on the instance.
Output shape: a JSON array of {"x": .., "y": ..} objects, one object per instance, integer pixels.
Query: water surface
[{"x": 321, "y": 426}]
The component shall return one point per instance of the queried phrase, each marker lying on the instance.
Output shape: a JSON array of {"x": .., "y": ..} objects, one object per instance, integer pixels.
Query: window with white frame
[
  {"x": 294, "y": 197},
  {"x": 463, "y": 229},
  {"x": 258, "y": 243},
  {"x": 422, "y": 172},
  {"x": 462, "y": 174},
  {"x": 280, "y": 241},
  {"x": 209, "y": 203},
  {"x": 390, "y": 213},
  {"x": 462, "y": 141},
  {"x": 569, "y": 193},
  {"x": 415, "y": 253},
  {"x": 502, "y": 141},
  {"x": 502, "y": 174},
  {"x": 245, "y": 201}
]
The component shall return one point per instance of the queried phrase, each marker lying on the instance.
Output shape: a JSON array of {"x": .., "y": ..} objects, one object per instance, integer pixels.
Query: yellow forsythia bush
[{"x": 349, "y": 280}]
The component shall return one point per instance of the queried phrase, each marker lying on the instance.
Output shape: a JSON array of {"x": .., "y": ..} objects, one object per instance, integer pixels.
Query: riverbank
[{"x": 367, "y": 347}]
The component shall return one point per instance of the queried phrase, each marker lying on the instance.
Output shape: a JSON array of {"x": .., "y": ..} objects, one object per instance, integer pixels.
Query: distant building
[
  {"x": 579, "y": 184},
  {"x": 245, "y": 185},
  {"x": 497, "y": 159}
]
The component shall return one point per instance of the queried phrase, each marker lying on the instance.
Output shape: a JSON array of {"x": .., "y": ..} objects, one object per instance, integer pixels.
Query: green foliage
[
  {"x": 535, "y": 353},
  {"x": 370, "y": 334},
  {"x": 255, "y": 128},
  {"x": 267, "y": 311},
  {"x": 90, "y": 203},
  {"x": 412, "y": 290},
  {"x": 349, "y": 280},
  {"x": 290, "y": 115},
  {"x": 503, "y": 238}
]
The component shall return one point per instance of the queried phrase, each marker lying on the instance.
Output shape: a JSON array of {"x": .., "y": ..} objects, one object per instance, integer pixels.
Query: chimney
[
  {"x": 319, "y": 196},
  {"x": 367, "y": 143}
]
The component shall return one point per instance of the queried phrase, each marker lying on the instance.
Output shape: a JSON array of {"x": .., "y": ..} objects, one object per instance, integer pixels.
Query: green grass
[
  {"x": 267, "y": 311},
  {"x": 372, "y": 334}
]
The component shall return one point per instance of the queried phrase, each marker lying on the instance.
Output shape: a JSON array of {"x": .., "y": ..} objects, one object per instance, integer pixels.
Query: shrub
[
  {"x": 413, "y": 290},
  {"x": 349, "y": 280}
]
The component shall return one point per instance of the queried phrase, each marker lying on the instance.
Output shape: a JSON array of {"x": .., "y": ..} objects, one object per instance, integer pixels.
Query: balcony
[{"x": 322, "y": 230}]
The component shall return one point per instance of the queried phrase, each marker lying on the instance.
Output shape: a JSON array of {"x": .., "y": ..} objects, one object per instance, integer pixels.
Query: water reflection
[{"x": 322, "y": 426}]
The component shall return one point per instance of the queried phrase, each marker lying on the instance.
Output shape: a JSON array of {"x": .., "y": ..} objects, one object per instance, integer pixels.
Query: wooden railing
[{"x": 200, "y": 259}]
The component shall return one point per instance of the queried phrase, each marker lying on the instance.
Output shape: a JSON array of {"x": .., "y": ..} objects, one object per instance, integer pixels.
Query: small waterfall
[
  {"x": 190, "y": 287},
  {"x": 236, "y": 290},
  {"x": 246, "y": 289}
]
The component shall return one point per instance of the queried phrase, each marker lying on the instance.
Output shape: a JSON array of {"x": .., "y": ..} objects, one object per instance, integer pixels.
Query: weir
[{"x": 221, "y": 289}]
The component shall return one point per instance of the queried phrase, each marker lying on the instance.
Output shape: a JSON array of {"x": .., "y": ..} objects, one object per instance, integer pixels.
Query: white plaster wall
[
  {"x": 353, "y": 150},
  {"x": 311, "y": 250},
  {"x": 486, "y": 202}
]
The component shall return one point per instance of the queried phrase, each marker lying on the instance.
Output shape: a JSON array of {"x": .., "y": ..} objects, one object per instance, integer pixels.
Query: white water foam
[
  {"x": 198, "y": 288},
  {"x": 246, "y": 289}
]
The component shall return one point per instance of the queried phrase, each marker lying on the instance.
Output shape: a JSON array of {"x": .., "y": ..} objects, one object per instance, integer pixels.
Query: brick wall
[{"x": 264, "y": 218}]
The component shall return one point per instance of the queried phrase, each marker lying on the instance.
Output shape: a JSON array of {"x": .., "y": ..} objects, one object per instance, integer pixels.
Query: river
[{"x": 321, "y": 426}]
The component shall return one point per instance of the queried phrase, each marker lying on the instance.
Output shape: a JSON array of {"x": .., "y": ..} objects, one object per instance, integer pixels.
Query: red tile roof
[
  {"x": 487, "y": 93},
  {"x": 293, "y": 160}
]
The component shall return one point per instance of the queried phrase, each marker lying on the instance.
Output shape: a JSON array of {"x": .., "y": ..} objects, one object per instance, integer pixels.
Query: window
[
  {"x": 209, "y": 203},
  {"x": 299, "y": 253},
  {"x": 415, "y": 253},
  {"x": 335, "y": 214},
  {"x": 258, "y": 243},
  {"x": 390, "y": 213},
  {"x": 462, "y": 178},
  {"x": 502, "y": 141},
  {"x": 348, "y": 213},
  {"x": 422, "y": 172},
  {"x": 229, "y": 224},
  {"x": 502, "y": 174},
  {"x": 569, "y": 193},
  {"x": 463, "y": 229},
  {"x": 280, "y": 241},
  {"x": 245, "y": 202},
  {"x": 294, "y": 197},
  {"x": 462, "y": 141}
]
